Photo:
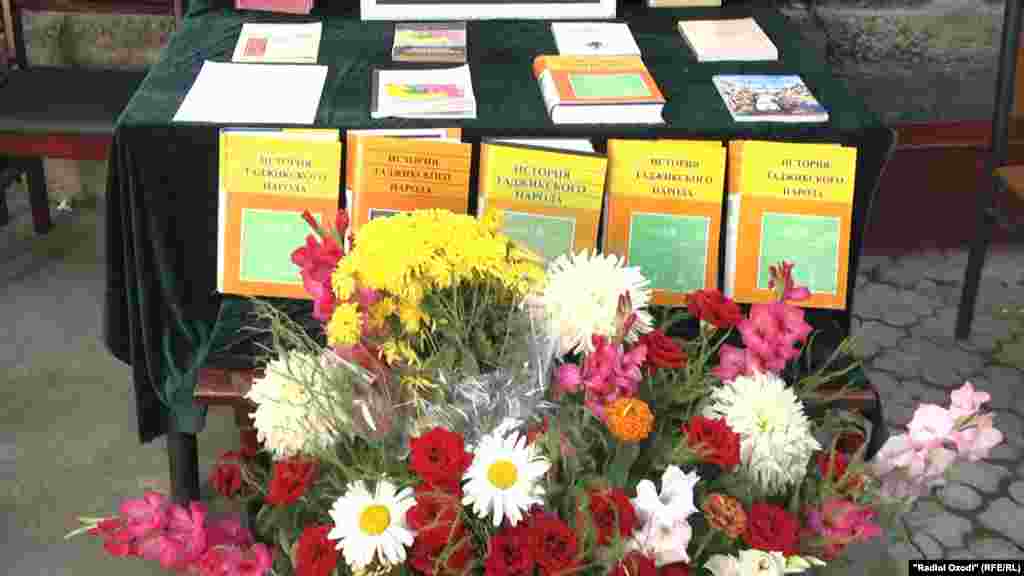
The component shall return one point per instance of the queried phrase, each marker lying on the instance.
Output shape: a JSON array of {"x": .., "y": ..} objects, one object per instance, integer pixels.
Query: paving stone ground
[{"x": 904, "y": 320}]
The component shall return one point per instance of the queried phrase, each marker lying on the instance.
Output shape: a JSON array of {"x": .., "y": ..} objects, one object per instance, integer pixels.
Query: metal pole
[{"x": 1000, "y": 127}]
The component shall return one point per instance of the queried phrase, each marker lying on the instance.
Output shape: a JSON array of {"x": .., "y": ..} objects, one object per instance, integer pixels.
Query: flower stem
[{"x": 703, "y": 544}]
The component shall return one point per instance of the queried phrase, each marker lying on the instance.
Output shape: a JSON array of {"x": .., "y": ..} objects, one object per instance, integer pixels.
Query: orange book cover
[
  {"x": 664, "y": 212},
  {"x": 791, "y": 202},
  {"x": 267, "y": 180},
  {"x": 570, "y": 80},
  {"x": 388, "y": 174}
]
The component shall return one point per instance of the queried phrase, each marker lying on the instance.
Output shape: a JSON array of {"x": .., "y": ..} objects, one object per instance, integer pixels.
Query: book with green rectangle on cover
[
  {"x": 608, "y": 86},
  {"x": 810, "y": 242},
  {"x": 671, "y": 250},
  {"x": 548, "y": 236}
]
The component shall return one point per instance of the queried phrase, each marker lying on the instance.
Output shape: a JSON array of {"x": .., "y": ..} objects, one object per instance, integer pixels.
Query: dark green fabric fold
[{"x": 162, "y": 313}]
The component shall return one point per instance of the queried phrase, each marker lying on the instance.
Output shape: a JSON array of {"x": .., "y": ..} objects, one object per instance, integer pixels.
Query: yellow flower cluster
[{"x": 407, "y": 256}]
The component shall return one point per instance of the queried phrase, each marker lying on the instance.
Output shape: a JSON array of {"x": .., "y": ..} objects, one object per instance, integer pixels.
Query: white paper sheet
[{"x": 254, "y": 93}]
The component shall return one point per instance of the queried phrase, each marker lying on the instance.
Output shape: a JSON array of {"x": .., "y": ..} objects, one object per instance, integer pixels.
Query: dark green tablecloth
[{"x": 161, "y": 309}]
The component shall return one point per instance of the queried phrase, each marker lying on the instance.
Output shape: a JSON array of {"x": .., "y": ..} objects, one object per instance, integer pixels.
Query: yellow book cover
[
  {"x": 664, "y": 212},
  {"x": 390, "y": 174},
  {"x": 267, "y": 178},
  {"x": 551, "y": 199},
  {"x": 791, "y": 202}
]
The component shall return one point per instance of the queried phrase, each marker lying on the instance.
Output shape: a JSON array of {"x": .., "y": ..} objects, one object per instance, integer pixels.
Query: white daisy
[
  {"x": 286, "y": 418},
  {"x": 504, "y": 478},
  {"x": 368, "y": 525},
  {"x": 581, "y": 299},
  {"x": 775, "y": 434}
]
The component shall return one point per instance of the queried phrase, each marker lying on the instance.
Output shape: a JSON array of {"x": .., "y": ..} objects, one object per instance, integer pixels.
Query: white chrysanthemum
[
  {"x": 286, "y": 418},
  {"x": 504, "y": 479},
  {"x": 775, "y": 434},
  {"x": 368, "y": 525},
  {"x": 581, "y": 298}
]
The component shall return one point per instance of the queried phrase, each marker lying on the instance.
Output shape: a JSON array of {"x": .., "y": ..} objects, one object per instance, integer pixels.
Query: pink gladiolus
[
  {"x": 965, "y": 400},
  {"x": 781, "y": 281},
  {"x": 930, "y": 426},
  {"x": 187, "y": 529},
  {"x": 568, "y": 377},
  {"x": 840, "y": 523},
  {"x": 227, "y": 532},
  {"x": 609, "y": 373},
  {"x": 318, "y": 261},
  {"x": 906, "y": 470},
  {"x": 975, "y": 442},
  {"x": 144, "y": 515},
  {"x": 735, "y": 362}
]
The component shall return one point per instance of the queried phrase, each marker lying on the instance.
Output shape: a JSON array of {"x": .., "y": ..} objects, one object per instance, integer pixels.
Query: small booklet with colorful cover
[
  {"x": 598, "y": 90},
  {"x": 278, "y": 43},
  {"x": 388, "y": 174},
  {"x": 737, "y": 39},
  {"x": 791, "y": 202},
  {"x": 283, "y": 6},
  {"x": 769, "y": 98},
  {"x": 664, "y": 212},
  {"x": 550, "y": 199},
  {"x": 594, "y": 39},
  {"x": 434, "y": 93},
  {"x": 429, "y": 42},
  {"x": 268, "y": 177}
]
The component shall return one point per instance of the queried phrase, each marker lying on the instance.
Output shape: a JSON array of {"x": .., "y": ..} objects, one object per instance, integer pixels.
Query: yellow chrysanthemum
[
  {"x": 411, "y": 317},
  {"x": 345, "y": 327},
  {"x": 344, "y": 285},
  {"x": 493, "y": 220},
  {"x": 418, "y": 383},
  {"x": 380, "y": 312}
]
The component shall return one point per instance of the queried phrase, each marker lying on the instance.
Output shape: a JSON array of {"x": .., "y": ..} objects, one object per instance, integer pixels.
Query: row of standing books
[{"x": 657, "y": 203}]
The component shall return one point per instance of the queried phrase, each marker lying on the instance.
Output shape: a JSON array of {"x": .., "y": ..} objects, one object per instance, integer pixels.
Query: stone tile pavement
[{"x": 905, "y": 311}]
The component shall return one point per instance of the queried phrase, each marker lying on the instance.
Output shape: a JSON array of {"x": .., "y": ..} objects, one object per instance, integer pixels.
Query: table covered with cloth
[{"x": 162, "y": 313}]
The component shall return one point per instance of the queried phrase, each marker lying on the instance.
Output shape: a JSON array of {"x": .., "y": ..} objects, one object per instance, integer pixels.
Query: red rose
[
  {"x": 677, "y": 569},
  {"x": 439, "y": 457},
  {"x": 662, "y": 351},
  {"x": 714, "y": 441},
  {"x": 510, "y": 553},
  {"x": 226, "y": 477},
  {"x": 713, "y": 308},
  {"x": 771, "y": 528},
  {"x": 290, "y": 480},
  {"x": 635, "y": 564},
  {"x": 315, "y": 554},
  {"x": 607, "y": 507},
  {"x": 554, "y": 545},
  {"x": 435, "y": 516}
]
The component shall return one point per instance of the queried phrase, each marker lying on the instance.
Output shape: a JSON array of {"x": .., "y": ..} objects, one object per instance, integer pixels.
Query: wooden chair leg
[
  {"x": 38, "y": 198},
  {"x": 247, "y": 439},
  {"x": 972, "y": 276}
]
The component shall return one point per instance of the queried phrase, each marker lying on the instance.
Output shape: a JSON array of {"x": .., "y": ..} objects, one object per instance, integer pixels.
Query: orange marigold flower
[
  {"x": 629, "y": 419},
  {"x": 726, "y": 514}
]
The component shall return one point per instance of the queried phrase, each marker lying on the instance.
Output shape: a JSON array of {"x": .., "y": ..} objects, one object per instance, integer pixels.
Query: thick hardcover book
[
  {"x": 550, "y": 199},
  {"x": 598, "y": 90},
  {"x": 267, "y": 179},
  {"x": 664, "y": 212},
  {"x": 387, "y": 175},
  {"x": 769, "y": 98},
  {"x": 789, "y": 202},
  {"x": 429, "y": 42}
]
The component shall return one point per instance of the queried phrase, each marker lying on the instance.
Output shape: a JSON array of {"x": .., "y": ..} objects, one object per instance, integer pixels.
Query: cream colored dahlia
[
  {"x": 581, "y": 299},
  {"x": 287, "y": 418},
  {"x": 776, "y": 440}
]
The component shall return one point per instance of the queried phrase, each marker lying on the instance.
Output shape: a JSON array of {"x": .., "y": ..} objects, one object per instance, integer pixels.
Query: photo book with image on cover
[
  {"x": 769, "y": 98},
  {"x": 429, "y": 42}
]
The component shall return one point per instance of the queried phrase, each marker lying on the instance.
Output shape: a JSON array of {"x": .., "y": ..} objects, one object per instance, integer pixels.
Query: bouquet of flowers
[{"x": 468, "y": 410}]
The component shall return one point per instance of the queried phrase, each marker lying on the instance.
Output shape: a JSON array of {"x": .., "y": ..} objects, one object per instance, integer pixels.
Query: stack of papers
[
  {"x": 435, "y": 93},
  {"x": 737, "y": 39},
  {"x": 594, "y": 39},
  {"x": 285, "y": 6},
  {"x": 279, "y": 43},
  {"x": 226, "y": 93}
]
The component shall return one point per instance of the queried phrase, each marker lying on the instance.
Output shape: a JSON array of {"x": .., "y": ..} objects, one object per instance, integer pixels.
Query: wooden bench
[
  {"x": 219, "y": 387},
  {"x": 60, "y": 112}
]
